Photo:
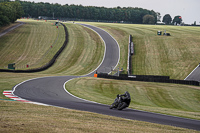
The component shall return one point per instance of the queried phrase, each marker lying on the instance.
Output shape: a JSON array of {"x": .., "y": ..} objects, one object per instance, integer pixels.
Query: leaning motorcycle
[{"x": 118, "y": 103}]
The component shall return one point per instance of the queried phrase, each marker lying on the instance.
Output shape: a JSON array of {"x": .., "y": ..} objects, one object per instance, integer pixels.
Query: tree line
[
  {"x": 129, "y": 14},
  {"x": 167, "y": 19},
  {"x": 10, "y": 12}
]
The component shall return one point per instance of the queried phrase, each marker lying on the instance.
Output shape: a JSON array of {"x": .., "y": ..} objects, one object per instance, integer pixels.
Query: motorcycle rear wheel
[{"x": 122, "y": 106}]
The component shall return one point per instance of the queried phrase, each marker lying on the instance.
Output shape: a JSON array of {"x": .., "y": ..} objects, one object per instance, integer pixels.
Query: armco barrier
[
  {"x": 149, "y": 78},
  {"x": 49, "y": 64},
  {"x": 129, "y": 65}
]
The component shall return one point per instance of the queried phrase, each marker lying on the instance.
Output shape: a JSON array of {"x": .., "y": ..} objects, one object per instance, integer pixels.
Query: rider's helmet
[{"x": 127, "y": 94}]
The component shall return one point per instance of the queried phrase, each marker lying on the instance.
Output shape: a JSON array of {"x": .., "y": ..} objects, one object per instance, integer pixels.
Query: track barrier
[
  {"x": 148, "y": 78},
  {"x": 130, "y": 54}
]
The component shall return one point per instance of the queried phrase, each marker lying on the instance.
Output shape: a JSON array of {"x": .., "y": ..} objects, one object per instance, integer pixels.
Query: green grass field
[
  {"x": 31, "y": 44},
  {"x": 82, "y": 55},
  {"x": 22, "y": 117},
  {"x": 175, "y": 56}
]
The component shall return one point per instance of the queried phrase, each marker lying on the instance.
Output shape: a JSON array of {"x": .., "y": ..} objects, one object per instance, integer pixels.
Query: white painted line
[
  {"x": 72, "y": 94},
  {"x": 103, "y": 55},
  {"x": 105, "y": 48},
  {"x": 72, "y": 78},
  {"x": 117, "y": 45},
  {"x": 7, "y": 94},
  {"x": 7, "y": 91},
  {"x": 96, "y": 68}
]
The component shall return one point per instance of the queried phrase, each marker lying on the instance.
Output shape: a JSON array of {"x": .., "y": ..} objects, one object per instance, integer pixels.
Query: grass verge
[{"x": 21, "y": 117}]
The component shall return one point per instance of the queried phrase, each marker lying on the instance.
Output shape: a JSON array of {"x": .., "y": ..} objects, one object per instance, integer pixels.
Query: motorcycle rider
[
  {"x": 126, "y": 97},
  {"x": 122, "y": 101}
]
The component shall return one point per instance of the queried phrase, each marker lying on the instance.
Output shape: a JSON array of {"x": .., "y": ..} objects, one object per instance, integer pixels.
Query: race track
[
  {"x": 51, "y": 91},
  {"x": 194, "y": 75}
]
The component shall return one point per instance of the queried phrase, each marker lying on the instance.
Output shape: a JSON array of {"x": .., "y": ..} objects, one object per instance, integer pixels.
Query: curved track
[{"x": 51, "y": 91}]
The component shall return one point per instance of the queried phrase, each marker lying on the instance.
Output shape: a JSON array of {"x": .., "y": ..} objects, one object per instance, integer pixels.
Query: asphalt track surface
[
  {"x": 11, "y": 28},
  {"x": 194, "y": 75},
  {"x": 51, "y": 91}
]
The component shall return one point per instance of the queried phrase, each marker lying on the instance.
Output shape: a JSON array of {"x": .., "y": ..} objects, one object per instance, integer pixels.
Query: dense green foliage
[
  {"x": 177, "y": 20},
  {"x": 167, "y": 19},
  {"x": 10, "y": 12},
  {"x": 133, "y": 15},
  {"x": 149, "y": 19}
]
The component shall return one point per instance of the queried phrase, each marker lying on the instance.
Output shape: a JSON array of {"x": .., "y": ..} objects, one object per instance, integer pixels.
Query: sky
[{"x": 188, "y": 9}]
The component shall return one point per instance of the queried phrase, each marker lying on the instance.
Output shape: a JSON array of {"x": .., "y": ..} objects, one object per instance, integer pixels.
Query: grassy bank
[
  {"x": 171, "y": 99},
  {"x": 175, "y": 56},
  {"x": 20, "y": 117},
  {"x": 33, "y": 44},
  {"x": 83, "y": 54}
]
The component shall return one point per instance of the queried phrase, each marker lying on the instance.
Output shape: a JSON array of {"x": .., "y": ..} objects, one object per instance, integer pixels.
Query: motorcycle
[{"x": 121, "y": 101}]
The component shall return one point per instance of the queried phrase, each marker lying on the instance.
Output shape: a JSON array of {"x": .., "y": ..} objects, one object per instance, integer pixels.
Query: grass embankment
[
  {"x": 31, "y": 44},
  {"x": 171, "y": 99},
  {"x": 175, "y": 56},
  {"x": 83, "y": 54}
]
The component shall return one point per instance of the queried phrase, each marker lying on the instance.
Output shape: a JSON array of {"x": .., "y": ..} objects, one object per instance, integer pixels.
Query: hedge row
[
  {"x": 46, "y": 66},
  {"x": 149, "y": 78}
]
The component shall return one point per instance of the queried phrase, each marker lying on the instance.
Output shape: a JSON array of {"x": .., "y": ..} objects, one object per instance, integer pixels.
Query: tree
[
  {"x": 18, "y": 10},
  {"x": 4, "y": 20},
  {"x": 177, "y": 20},
  {"x": 167, "y": 19},
  {"x": 195, "y": 23},
  {"x": 129, "y": 14},
  {"x": 10, "y": 12},
  {"x": 4, "y": 0},
  {"x": 148, "y": 19}
]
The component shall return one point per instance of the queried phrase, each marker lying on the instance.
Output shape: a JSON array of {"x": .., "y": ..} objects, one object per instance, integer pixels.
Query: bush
[{"x": 10, "y": 12}]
